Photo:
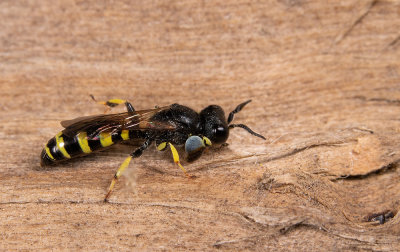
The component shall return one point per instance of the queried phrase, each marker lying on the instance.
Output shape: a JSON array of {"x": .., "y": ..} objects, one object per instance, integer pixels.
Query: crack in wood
[
  {"x": 365, "y": 239},
  {"x": 393, "y": 42},
  {"x": 225, "y": 162},
  {"x": 385, "y": 100},
  {"x": 355, "y": 22},
  {"x": 386, "y": 168}
]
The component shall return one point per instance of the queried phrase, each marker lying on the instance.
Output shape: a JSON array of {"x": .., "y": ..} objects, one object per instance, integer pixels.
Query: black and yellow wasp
[{"x": 166, "y": 126}]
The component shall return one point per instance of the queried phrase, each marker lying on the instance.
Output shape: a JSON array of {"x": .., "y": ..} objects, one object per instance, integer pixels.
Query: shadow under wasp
[{"x": 166, "y": 126}]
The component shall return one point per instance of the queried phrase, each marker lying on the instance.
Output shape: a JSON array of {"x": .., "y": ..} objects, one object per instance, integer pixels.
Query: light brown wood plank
[{"x": 324, "y": 80}]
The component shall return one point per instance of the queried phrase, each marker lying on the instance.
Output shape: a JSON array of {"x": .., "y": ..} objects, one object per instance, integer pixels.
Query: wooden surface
[{"x": 324, "y": 77}]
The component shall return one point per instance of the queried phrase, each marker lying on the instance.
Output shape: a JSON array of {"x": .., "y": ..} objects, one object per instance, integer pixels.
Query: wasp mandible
[{"x": 165, "y": 126}]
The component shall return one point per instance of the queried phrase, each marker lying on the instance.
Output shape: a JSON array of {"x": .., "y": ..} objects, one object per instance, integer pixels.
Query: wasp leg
[
  {"x": 175, "y": 156},
  {"x": 115, "y": 102},
  {"x": 162, "y": 146},
  {"x": 137, "y": 153},
  {"x": 129, "y": 107}
]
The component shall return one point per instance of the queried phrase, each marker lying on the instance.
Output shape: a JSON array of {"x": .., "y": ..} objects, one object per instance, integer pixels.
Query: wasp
[{"x": 165, "y": 126}]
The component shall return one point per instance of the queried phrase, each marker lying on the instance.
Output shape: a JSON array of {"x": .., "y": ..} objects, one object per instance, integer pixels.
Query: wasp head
[
  {"x": 216, "y": 127},
  {"x": 214, "y": 124}
]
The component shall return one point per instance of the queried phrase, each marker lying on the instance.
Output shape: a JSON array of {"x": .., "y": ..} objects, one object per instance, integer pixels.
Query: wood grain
[{"x": 324, "y": 79}]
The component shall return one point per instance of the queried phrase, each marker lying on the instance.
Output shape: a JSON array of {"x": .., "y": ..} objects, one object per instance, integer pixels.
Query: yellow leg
[
  {"x": 175, "y": 156},
  {"x": 137, "y": 153},
  {"x": 116, "y": 176},
  {"x": 110, "y": 103},
  {"x": 162, "y": 146}
]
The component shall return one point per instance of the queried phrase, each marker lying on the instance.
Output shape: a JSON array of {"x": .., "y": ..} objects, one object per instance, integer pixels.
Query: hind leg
[
  {"x": 137, "y": 153},
  {"x": 115, "y": 102}
]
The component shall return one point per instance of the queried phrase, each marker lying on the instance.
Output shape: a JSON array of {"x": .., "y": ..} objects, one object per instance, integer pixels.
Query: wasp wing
[
  {"x": 94, "y": 125},
  {"x": 91, "y": 124}
]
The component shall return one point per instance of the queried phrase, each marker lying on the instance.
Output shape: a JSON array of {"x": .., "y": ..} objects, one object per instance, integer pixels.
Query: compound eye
[{"x": 220, "y": 134}]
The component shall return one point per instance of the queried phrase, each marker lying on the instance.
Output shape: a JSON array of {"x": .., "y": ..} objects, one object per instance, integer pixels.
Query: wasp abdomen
[{"x": 63, "y": 147}]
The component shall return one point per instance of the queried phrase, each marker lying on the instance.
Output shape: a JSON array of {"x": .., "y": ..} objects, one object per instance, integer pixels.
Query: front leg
[{"x": 175, "y": 155}]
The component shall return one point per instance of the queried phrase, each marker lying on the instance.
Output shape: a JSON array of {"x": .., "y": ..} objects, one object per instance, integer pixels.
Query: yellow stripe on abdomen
[
  {"x": 83, "y": 142},
  {"x": 48, "y": 153},
  {"x": 60, "y": 145},
  {"x": 125, "y": 135},
  {"x": 106, "y": 139}
]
